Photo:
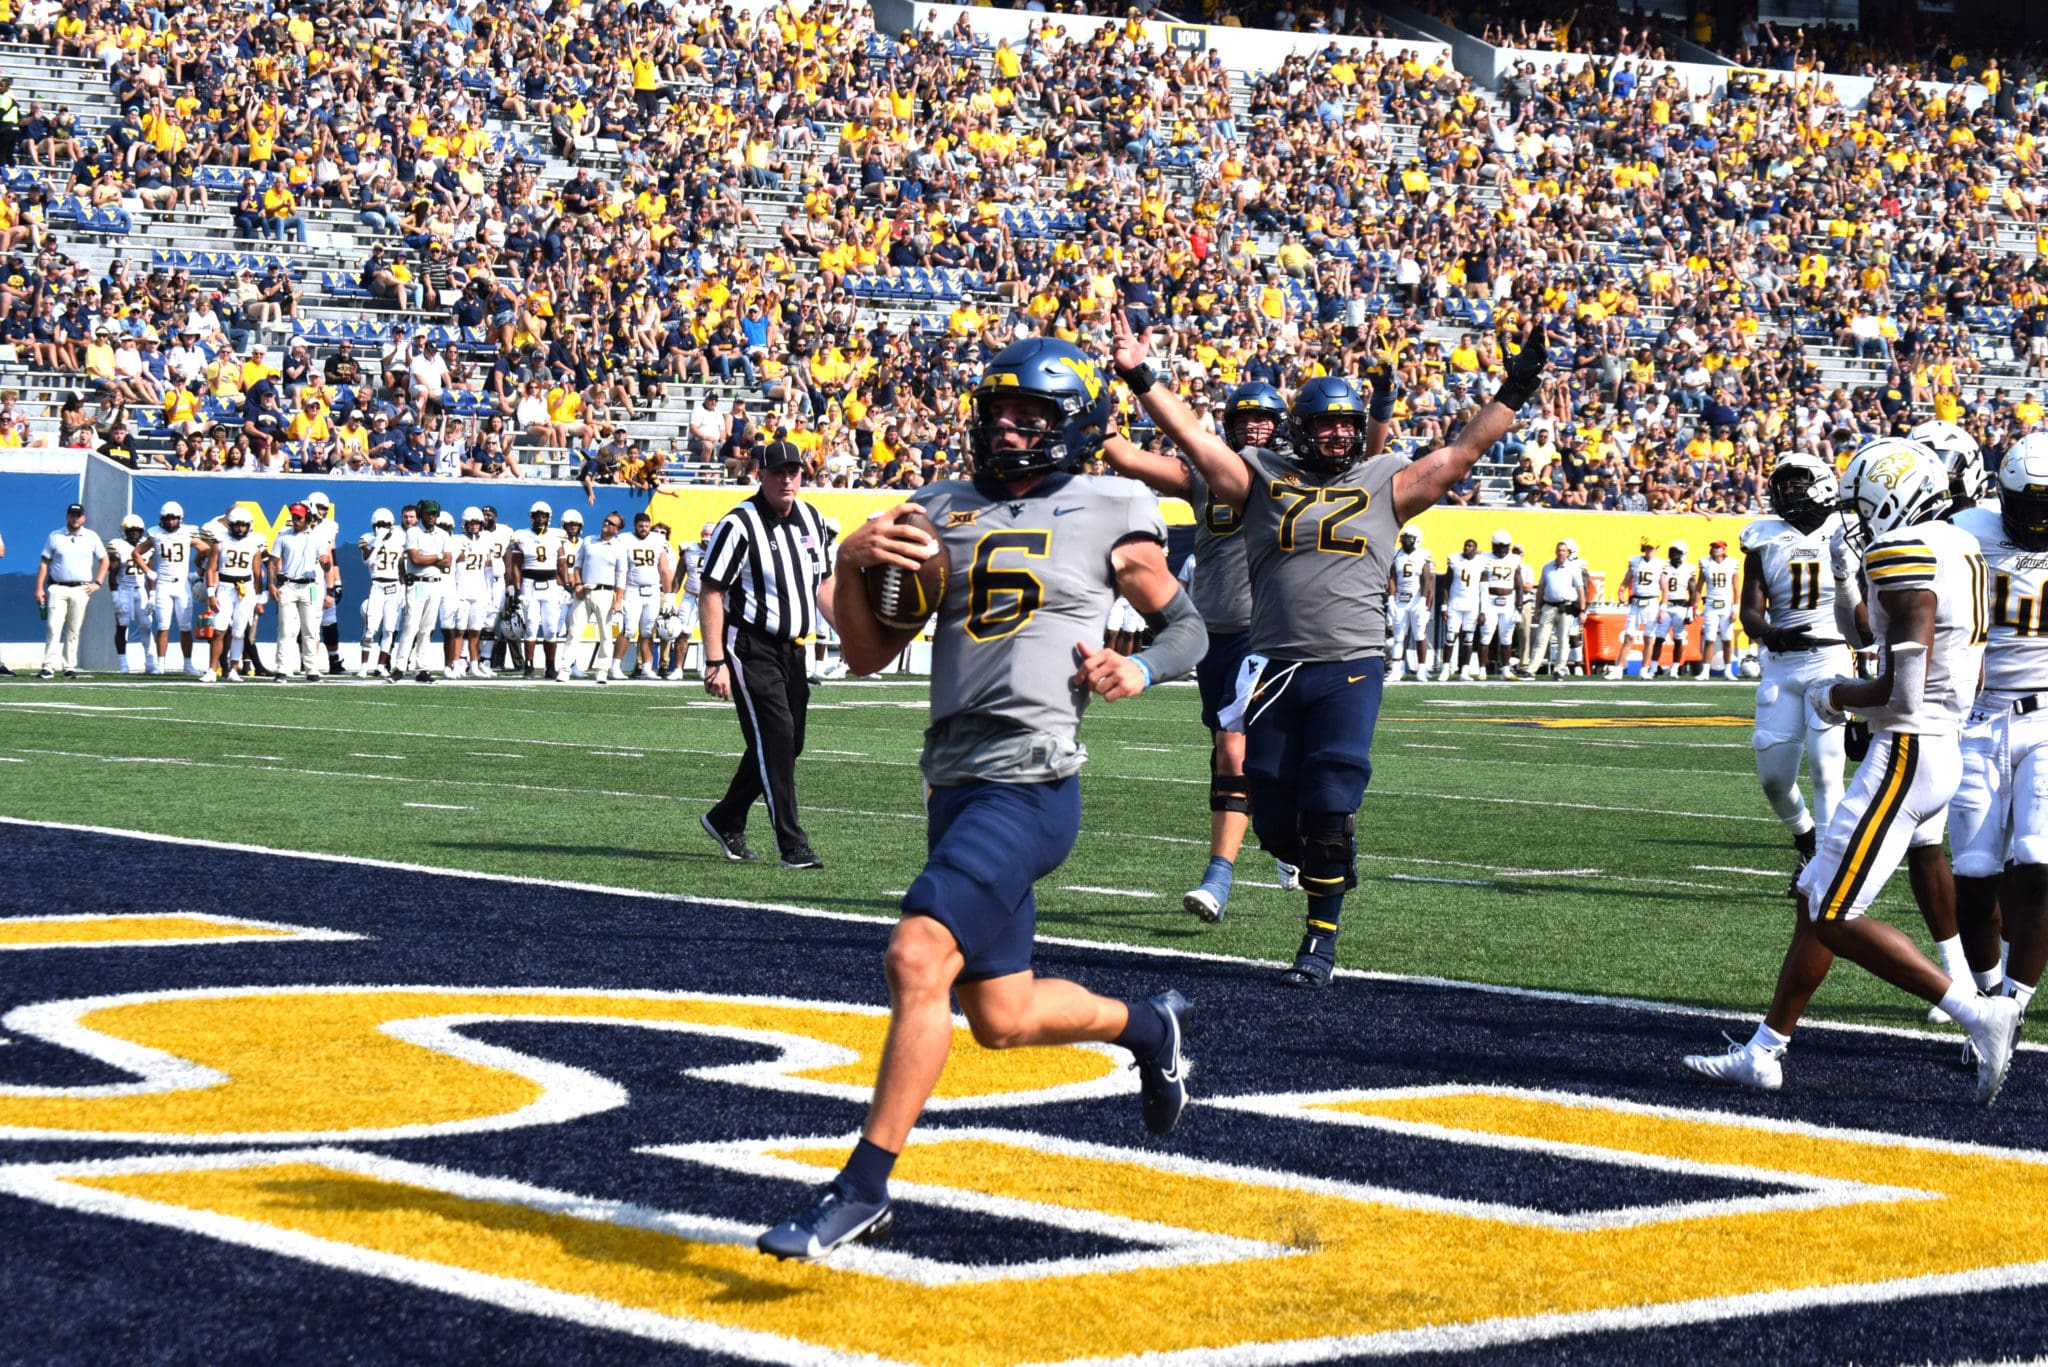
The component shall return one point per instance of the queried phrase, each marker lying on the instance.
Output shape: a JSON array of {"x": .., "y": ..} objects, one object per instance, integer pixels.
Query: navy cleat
[
  {"x": 832, "y": 1220},
  {"x": 1163, "y": 1078},
  {"x": 734, "y": 846},
  {"x": 1314, "y": 962}
]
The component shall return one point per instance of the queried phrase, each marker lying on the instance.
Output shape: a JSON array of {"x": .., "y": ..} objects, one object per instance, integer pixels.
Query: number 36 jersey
[
  {"x": 1320, "y": 550},
  {"x": 1799, "y": 582},
  {"x": 1028, "y": 578}
]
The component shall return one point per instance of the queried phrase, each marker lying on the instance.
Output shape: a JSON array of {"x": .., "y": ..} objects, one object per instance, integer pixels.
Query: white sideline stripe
[
  {"x": 1110, "y": 892},
  {"x": 360, "y": 754},
  {"x": 617, "y": 754},
  {"x": 440, "y": 806},
  {"x": 494, "y": 754},
  {"x": 268, "y": 759},
  {"x": 1456, "y": 882},
  {"x": 75, "y": 707},
  {"x": 1545, "y": 994},
  {"x": 1737, "y": 868}
]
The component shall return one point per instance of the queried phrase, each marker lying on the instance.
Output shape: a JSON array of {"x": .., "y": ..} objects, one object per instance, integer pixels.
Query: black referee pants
[{"x": 772, "y": 686}]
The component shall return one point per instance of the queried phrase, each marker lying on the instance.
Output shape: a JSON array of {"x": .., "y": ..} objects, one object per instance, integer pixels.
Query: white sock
[
  {"x": 2021, "y": 993},
  {"x": 1766, "y": 1039},
  {"x": 2004, "y": 955},
  {"x": 1954, "y": 960},
  {"x": 1989, "y": 981},
  {"x": 1963, "y": 1005}
]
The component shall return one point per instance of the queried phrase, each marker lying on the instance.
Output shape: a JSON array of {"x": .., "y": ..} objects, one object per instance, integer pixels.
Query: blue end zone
[{"x": 89, "y": 1288}]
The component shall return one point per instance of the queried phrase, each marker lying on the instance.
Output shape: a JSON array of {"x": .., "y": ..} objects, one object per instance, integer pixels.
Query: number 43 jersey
[
  {"x": 1029, "y": 578},
  {"x": 1320, "y": 550}
]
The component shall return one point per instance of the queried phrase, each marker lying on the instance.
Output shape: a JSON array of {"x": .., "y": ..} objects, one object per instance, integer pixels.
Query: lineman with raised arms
[
  {"x": 1928, "y": 610},
  {"x": 1320, "y": 531},
  {"x": 383, "y": 550},
  {"x": 174, "y": 558},
  {"x": 1221, "y": 589},
  {"x": 1998, "y": 823},
  {"x": 533, "y": 567},
  {"x": 128, "y": 574},
  {"x": 1036, "y": 553},
  {"x": 1411, "y": 590}
]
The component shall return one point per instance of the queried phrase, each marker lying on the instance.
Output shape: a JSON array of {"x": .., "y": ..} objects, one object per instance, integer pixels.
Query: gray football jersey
[
  {"x": 1319, "y": 552},
  {"x": 1222, "y": 587},
  {"x": 1029, "y": 578}
]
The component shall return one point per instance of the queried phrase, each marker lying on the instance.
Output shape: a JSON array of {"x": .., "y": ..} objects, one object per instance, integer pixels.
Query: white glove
[{"x": 1819, "y": 711}]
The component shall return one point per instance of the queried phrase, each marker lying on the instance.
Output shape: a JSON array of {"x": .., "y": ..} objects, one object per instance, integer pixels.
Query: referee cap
[{"x": 778, "y": 454}]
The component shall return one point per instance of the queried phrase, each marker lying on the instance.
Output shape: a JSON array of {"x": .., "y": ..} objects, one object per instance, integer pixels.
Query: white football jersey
[
  {"x": 240, "y": 555},
  {"x": 643, "y": 556},
  {"x": 472, "y": 566},
  {"x": 1412, "y": 569},
  {"x": 386, "y": 552},
  {"x": 539, "y": 552},
  {"x": 328, "y": 532},
  {"x": 1466, "y": 574},
  {"x": 1645, "y": 573},
  {"x": 1500, "y": 573},
  {"x": 1720, "y": 581},
  {"x": 1799, "y": 580},
  {"x": 1946, "y": 560},
  {"x": 2016, "y": 655},
  {"x": 122, "y": 562},
  {"x": 1678, "y": 582},
  {"x": 693, "y": 569},
  {"x": 171, "y": 554}
]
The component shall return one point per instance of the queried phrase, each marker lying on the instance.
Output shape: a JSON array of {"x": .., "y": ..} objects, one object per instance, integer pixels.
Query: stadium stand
[{"x": 542, "y": 244}]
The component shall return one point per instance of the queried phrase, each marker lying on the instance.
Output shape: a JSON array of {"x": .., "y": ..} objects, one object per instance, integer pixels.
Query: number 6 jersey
[
  {"x": 1320, "y": 550},
  {"x": 1029, "y": 578}
]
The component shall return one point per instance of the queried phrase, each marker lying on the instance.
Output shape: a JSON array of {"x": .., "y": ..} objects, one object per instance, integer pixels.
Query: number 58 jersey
[
  {"x": 1028, "y": 578},
  {"x": 1320, "y": 552}
]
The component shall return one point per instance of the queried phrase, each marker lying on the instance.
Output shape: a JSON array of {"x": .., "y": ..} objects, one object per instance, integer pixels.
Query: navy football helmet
[
  {"x": 1246, "y": 399},
  {"x": 1076, "y": 409},
  {"x": 1328, "y": 395}
]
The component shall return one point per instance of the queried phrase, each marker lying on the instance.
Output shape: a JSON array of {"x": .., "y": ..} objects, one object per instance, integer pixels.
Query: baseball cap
[
  {"x": 778, "y": 454},
  {"x": 75, "y": 510},
  {"x": 300, "y": 510}
]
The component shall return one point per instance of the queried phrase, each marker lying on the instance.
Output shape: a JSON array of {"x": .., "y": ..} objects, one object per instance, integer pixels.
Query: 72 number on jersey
[{"x": 1296, "y": 500}]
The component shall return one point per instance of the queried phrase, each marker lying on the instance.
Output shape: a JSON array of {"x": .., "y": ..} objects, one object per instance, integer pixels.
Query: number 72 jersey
[
  {"x": 1319, "y": 551},
  {"x": 1028, "y": 578}
]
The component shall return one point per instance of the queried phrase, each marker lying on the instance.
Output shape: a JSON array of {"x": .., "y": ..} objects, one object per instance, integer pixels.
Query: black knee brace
[
  {"x": 1230, "y": 793},
  {"x": 1328, "y": 845},
  {"x": 330, "y": 636}
]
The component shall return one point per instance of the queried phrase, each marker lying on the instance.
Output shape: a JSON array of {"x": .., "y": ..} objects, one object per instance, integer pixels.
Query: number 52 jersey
[{"x": 1028, "y": 578}]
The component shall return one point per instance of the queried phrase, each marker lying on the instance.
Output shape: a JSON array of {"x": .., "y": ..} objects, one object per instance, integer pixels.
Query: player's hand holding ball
[
  {"x": 1820, "y": 708},
  {"x": 902, "y": 570}
]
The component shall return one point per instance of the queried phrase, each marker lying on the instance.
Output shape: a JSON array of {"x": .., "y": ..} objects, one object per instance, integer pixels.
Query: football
[{"x": 901, "y": 599}]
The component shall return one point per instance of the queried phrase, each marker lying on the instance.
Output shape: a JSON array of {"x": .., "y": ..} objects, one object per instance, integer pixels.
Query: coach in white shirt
[
  {"x": 74, "y": 560},
  {"x": 301, "y": 568},
  {"x": 1563, "y": 592}
]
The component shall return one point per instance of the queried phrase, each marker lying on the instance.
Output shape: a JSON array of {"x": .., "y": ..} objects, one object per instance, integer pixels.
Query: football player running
[
  {"x": 1928, "y": 610},
  {"x": 1321, "y": 529},
  {"x": 172, "y": 557},
  {"x": 1461, "y": 611},
  {"x": 1001, "y": 756},
  {"x": 1999, "y": 820},
  {"x": 533, "y": 567},
  {"x": 383, "y": 550},
  {"x": 1221, "y": 589},
  {"x": 1678, "y": 588},
  {"x": 1411, "y": 605}
]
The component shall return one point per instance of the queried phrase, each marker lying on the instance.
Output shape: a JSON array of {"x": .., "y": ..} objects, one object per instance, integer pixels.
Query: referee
[{"x": 762, "y": 587}]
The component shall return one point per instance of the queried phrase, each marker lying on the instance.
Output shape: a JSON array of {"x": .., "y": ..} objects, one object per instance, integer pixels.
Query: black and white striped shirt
[{"x": 770, "y": 567}]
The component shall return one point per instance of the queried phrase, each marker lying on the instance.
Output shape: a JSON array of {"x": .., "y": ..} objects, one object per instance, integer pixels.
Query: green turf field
[{"x": 1605, "y": 838}]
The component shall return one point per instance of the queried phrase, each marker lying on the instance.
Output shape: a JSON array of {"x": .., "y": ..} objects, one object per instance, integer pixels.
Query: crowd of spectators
[{"x": 739, "y": 182}]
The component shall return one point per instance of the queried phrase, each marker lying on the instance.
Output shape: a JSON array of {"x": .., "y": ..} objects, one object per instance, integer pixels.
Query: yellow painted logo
[{"x": 1086, "y": 371}]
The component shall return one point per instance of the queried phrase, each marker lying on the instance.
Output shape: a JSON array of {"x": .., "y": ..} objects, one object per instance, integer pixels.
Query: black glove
[
  {"x": 1524, "y": 371},
  {"x": 335, "y": 594},
  {"x": 1778, "y": 640},
  {"x": 1856, "y": 738},
  {"x": 1380, "y": 375}
]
